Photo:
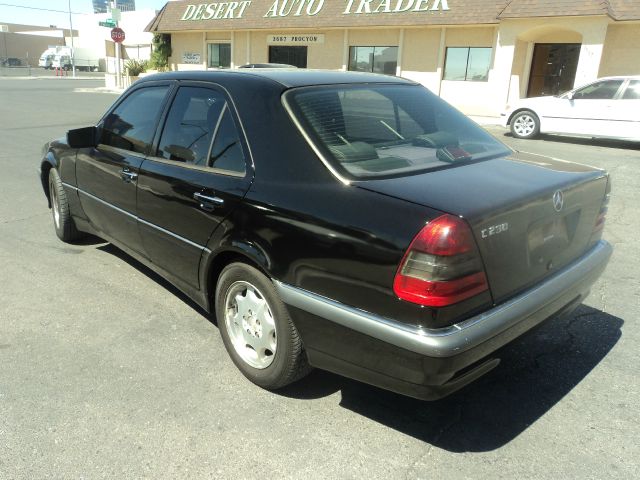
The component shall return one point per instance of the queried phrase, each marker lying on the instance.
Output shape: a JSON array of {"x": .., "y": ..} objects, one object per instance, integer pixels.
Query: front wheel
[
  {"x": 525, "y": 124},
  {"x": 256, "y": 328},
  {"x": 62, "y": 220}
]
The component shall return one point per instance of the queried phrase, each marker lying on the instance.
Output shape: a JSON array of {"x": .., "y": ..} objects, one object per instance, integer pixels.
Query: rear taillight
[
  {"x": 602, "y": 215},
  {"x": 442, "y": 265}
]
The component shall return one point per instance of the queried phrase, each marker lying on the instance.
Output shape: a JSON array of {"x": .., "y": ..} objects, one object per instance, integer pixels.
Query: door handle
[
  {"x": 128, "y": 176},
  {"x": 208, "y": 203}
]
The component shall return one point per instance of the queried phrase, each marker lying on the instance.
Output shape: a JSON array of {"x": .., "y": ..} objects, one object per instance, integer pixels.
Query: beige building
[{"x": 477, "y": 54}]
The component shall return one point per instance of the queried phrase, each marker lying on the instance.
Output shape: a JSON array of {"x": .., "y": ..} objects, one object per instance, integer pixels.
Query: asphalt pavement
[{"x": 107, "y": 371}]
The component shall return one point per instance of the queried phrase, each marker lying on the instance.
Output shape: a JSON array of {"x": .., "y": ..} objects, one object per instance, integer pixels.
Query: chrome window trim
[
  {"x": 200, "y": 168},
  {"x": 296, "y": 121}
]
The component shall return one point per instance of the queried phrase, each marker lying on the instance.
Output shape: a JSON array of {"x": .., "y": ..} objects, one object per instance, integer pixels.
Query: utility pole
[
  {"x": 117, "y": 47},
  {"x": 73, "y": 50}
]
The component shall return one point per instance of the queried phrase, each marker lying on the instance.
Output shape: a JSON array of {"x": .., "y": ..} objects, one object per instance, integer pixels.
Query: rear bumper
[{"x": 428, "y": 363}]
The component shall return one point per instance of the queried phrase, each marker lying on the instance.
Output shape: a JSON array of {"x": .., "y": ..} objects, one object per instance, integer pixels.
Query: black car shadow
[
  {"x": 536, "y": 372},
  {"x": 143, "y": 269}
]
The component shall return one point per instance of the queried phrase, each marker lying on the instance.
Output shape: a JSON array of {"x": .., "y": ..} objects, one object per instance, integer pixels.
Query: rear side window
[
  {"x": 132, "y": 123},
  {"x": 388, "y": 130},
  {"x": 226, "y": 153},
  {"x": 200, "y": 130},
  {"x": 633, "y": 91},
  {"x": 190, "y": 125}
]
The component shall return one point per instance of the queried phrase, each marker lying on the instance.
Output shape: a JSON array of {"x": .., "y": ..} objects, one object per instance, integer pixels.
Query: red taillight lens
[
  {"x": 602, "y": 215},
  {"x": 442, "y": 265}
]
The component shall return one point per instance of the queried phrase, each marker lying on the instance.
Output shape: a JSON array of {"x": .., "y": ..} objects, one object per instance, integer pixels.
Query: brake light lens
[
  {"x": 442, "y": 265},
  {"x": 602, "y": 215}
]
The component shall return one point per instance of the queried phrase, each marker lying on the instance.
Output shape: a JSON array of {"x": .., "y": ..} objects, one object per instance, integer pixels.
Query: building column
[
  {"x": 500, "y": 74},
  {"x": 593, "y": 39},
  {"x": 400, "y": 53}
]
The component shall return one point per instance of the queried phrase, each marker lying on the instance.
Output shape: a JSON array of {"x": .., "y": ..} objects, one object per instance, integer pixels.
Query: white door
[
  {"x": 592, "y": 109},
  {"x": 628, "y": 111}
]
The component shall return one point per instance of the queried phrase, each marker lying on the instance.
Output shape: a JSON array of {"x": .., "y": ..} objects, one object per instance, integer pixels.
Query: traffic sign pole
[
  {"x": 117, "y": 46},
  {"x": 73, "y": 53}
]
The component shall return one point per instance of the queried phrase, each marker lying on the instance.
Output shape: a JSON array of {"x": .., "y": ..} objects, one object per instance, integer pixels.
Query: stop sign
[{"x": 117, "y": 35}]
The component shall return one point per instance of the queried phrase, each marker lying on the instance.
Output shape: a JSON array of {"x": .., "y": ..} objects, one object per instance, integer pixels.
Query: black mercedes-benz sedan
[{"x": 346, "y": 221}]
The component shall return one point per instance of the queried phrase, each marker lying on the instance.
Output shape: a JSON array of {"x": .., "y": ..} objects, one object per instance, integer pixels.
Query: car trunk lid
[{"x": 530, "y": 215}]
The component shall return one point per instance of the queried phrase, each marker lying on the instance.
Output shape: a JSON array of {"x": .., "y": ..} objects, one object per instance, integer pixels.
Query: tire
[
  {"x": 62, "y": 221},
  {"x": 525, "y": 124},
  {"x": 256, "y": 328}
]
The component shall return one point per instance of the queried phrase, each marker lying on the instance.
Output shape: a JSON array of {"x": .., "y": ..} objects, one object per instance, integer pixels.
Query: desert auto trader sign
[{"x": 298, "y": 8}]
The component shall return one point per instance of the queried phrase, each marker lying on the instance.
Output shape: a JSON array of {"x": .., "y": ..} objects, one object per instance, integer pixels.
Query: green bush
[
  {"x": 161, "y": 51},
  {"x": 136, "y": 67}
]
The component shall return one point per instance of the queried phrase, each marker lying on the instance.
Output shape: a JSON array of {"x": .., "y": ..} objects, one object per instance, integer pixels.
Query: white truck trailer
[{"x": 85, "y": 59}]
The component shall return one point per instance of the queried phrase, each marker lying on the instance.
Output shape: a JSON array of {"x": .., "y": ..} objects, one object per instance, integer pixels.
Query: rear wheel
[
  {"x": 62, "y": 220},
  {"x": 525, "y": 124},
  {"x": 256, "y": 328}
]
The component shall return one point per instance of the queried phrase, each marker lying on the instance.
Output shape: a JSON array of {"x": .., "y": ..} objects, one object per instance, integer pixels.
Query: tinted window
[
  {"x": 373, "y": 59},
  {"x": 633, "y": 90},
  {"x": 382, "y": 130},
  {"x": 467, "y": 63},
  {"x": 190, "y": 125},
  {"x": 219, "y": 55},
  {"x": 132, "y": 124},
  {"x": 599, "y": 91},
  {"x": 227, "y": 149}
]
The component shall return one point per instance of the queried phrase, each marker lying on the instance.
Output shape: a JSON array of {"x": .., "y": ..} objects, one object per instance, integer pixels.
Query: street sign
[
  {"x": 117, "y": 35},
  {"x": 107, "y": 23}
]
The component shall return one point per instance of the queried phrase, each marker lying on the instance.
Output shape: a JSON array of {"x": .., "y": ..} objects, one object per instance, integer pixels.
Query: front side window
[
  {"x": 219, "y": 55},
  {"x": 469, "y": 64},
  {"x": 388, "y": 130},
  {"x": 373, "y": 59},
  {"x": 604, "y": 90},
  {"x": 132, "y": 123}
]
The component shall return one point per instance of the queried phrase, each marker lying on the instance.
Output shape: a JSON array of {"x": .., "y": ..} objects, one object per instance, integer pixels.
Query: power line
[{"x": 42, "y": 9}]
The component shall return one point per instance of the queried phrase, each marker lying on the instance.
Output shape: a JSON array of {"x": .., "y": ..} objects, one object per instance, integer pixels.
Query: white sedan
[{"x": 608, "y": 108}]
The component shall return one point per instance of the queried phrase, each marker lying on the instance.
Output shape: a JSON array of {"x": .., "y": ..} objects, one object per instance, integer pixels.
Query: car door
[
  {"x": 628, "y": 111},
  {"x": 590, "y": 110},
  {"x": 198, "y": 173},
  {"x": 107, "y": 174}
]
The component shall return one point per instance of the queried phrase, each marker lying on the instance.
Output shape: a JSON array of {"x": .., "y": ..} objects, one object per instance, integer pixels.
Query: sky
[{"x": 16, "y": 11}]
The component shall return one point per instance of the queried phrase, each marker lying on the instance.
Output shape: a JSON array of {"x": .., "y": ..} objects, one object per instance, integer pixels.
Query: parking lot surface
[{"x": 107, "y": 371}]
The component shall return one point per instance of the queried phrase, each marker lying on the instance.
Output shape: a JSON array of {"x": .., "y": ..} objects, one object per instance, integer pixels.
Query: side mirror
[
  {"x": 570, "y": 96},
  {"x": 83, "y": 137}
]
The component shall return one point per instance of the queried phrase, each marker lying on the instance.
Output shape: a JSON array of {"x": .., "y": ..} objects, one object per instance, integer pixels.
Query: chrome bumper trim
[{"x": 567, "y": 284}]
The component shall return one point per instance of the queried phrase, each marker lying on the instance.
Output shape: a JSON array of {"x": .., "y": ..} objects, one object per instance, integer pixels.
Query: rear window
[{"x": 388, "y": 130}]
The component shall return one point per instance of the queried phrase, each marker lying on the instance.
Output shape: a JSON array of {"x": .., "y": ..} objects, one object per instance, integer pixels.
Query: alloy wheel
[{"x": 250, "y": 324}]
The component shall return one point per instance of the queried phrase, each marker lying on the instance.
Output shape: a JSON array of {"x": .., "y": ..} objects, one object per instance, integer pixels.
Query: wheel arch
[
  {"x": 48, "y": 162},
  {"x": 523, "y": 109},
  {"x": 232, "y": 251}
]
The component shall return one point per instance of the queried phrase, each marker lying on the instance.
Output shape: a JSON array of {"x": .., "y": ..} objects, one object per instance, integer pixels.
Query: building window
[
  {"x": 373, "y": 59},
  {"x": 469, "y": 64},
  {"x": 219, "y": 55}
]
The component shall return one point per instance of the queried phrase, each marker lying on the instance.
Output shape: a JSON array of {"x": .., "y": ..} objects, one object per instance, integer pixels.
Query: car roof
[
  {"x": 620, "y": 77},
  {"x": 285, "y": 77}
]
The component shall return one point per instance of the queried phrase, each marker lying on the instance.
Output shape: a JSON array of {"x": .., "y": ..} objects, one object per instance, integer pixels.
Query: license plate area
[{"x": 548, "y": 238}]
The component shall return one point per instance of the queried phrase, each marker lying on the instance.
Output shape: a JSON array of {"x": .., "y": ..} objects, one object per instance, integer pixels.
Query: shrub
[{"x": 136, "y": 67}]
